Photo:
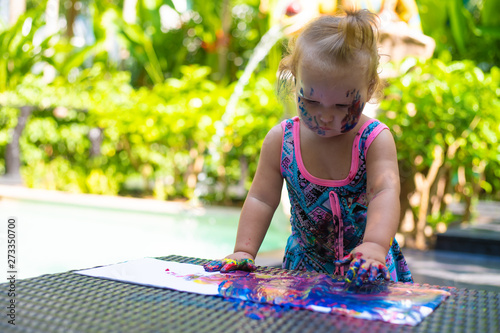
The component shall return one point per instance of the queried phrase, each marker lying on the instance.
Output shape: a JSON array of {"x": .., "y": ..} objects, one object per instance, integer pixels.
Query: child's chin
[{"x": 328, "y": 134}]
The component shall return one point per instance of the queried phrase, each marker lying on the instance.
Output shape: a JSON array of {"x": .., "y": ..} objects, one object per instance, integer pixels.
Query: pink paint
[{"x": 390, "y": 302}]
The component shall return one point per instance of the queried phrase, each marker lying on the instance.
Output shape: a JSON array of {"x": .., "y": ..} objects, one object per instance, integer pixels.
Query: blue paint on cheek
[
  {"x": 305, "y": 115},
  {"x": 309, "y": 120}
]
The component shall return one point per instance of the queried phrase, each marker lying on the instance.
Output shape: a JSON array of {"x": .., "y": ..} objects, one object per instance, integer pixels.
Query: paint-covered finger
[
  {"x": 357, "y": 263},
  {"x": 344, "y": 261},
  {"x": 362, "y": 274},
  {"x": 229, "y": 265},
  {"x": 373, "y": 273},
  {"x": 351, "y": 274},
  {"x": 213, "y": 266},
  {"x": 385, "y": 272},
  {"x": 353, "y": 270},
  {"x": 243, "y": 265},
  {"x": 248, "y": 265}
]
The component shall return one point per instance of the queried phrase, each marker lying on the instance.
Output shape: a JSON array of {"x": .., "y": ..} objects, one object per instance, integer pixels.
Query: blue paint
[{"x": 310, "y": 121}]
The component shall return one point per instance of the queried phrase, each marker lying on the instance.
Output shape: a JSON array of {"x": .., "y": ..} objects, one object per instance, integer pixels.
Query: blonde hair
[{"x": 332, "y": 41}]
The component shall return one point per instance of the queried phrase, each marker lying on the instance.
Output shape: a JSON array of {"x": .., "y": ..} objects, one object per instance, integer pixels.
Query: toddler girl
[{"x": 340, "y": 166}]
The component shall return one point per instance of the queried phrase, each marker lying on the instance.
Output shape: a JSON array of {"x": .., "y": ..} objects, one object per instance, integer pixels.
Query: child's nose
[{"x": 326, "y": 117}]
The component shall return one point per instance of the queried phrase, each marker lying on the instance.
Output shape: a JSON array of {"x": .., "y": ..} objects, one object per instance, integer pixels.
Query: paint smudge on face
[
  {"x": 395, "y": 303},
  {"x": 310, "y": 121},
  {"x": 354, "y": 112}
]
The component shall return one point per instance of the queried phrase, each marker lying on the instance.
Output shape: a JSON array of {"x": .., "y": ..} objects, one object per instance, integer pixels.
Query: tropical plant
[
  {"x": 466, "y": 29},
  {"x": 445, "y": 116},
  {"x": 21, "y": 48}
]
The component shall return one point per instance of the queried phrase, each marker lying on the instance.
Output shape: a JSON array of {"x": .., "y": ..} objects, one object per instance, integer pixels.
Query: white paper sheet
[
  {"x": 398, "y": 303},
  {"x": 151, "y": 272}
]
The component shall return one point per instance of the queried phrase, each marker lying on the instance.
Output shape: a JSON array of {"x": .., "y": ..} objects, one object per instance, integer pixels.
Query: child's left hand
[
  {"x": 363, "y": 267},
  {"x": 227, "y": 265}
]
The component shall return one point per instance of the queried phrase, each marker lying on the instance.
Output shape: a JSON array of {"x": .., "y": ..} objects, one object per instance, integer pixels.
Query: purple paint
[
  {"x": 353, "y": 112},
  {"x": 390, "y": 302}
]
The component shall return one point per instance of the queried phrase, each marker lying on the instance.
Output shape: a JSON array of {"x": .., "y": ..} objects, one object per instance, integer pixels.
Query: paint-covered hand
[
  {"x": 228, "y": 265},
  {"x": 362, "y": 270}
]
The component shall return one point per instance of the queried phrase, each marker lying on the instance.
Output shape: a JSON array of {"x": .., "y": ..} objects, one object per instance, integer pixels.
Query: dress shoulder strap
[
  {"x": 369, "y": 132},
  {"x": 287, "y": 146}
]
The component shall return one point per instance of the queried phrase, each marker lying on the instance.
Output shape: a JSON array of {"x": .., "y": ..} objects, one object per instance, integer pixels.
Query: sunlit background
[{"x": 169, "y": 102}]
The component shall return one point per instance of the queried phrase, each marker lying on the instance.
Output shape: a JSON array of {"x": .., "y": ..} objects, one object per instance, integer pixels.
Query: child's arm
[
  {"x": 262, "y": 199},
  {"x": 383, "y": 188}
]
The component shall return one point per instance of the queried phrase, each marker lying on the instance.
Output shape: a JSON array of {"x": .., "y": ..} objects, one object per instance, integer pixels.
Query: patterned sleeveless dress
[{"x": 328, "y": 217}]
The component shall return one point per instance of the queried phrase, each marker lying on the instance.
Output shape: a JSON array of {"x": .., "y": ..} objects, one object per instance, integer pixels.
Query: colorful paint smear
[
  {"x": 228, "y": 265},
  {"x": 265, "y": 293},
  {"x": 310, "y": 120},
  {"x": 354, "y": 112},
  {"x": 389, "y": 302}
]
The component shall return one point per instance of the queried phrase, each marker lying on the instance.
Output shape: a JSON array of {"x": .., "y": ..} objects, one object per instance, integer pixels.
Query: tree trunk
[
  {"x": 407, "y": 180},
  {"x": 424, "y": 187},
  {"x": 70, "y": 19},
  {"x": 471, "y": 199},
  {"x": 439, "y": 191},
  {"x": 13, "y": 152},
  {"x": 96, "y": 136}
]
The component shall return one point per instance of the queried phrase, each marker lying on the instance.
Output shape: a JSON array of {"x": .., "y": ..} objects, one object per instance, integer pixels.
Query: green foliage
[
  {"x": 453, "y": 105},
  {"x": 154, "y": 140},
  {"x": 8, "y": 120},
  {"x": 466, "y": 29},
  {"x": 19, "y": 50},
  {"x": 155, "y": 135},
  {"x": 257, "y": 112},
  {"x": 156, "y": 108},
  {"x": 219, "y": 35}
]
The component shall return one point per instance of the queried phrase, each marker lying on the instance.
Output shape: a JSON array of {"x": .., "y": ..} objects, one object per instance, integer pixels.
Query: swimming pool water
[{"x": 55, "y": 237}]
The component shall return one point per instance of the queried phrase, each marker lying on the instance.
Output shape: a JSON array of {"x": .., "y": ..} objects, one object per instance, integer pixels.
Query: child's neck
[{"x": 328, "y": 158}]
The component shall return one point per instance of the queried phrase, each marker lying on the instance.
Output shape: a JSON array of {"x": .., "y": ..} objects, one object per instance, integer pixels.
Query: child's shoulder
[
  {"x": 379, "y": 138},
  {"x": 288, "y": 122},
  {"x": 364, "y": 120},
  {"x": 271, "y": 147},
  {"x": 372, "y": 132},
  {"x": 368, "y": 125},
  {"x": 275, "y": 134}
]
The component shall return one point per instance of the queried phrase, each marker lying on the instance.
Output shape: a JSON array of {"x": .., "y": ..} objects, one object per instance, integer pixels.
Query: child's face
[{"x": 330, "y": 102}]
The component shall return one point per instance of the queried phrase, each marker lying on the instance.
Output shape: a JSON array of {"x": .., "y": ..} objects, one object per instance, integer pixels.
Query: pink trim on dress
[
  {"x": 336, "y": 211},
  {"x": 373, "y": 135},
  {"x": 354, "y": 157}
]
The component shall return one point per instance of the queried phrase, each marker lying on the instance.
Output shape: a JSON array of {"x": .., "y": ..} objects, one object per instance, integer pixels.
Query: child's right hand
[
  {"x": 360, "y": 270},
  {"x": 236, "y": 261}
]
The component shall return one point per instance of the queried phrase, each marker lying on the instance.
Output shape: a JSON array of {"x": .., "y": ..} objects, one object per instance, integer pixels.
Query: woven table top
[{"x": 70, "y": 302}]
